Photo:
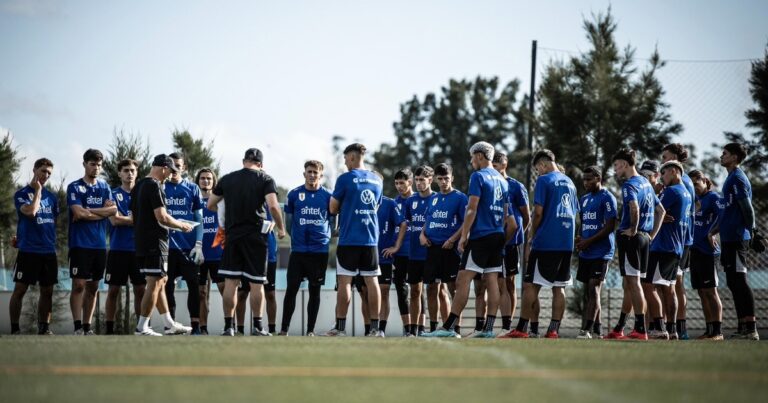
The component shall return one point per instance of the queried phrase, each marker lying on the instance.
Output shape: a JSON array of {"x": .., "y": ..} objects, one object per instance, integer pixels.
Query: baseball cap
[
  {"x": 254, "y": 154},
  {"x": 673, "y": 163},
  {"x": 162, "y": 160},
  {"x": 650, "y": 167}
]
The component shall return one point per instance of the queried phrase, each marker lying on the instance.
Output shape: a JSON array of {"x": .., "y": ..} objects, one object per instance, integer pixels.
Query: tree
[
  {"x": 9, "y": 167},
  {"x": 598, "y": 102},
  {"x": 441, "y": 128},
  {"x": 125, "y": 145},
  {"x": 197, "y": 154}
]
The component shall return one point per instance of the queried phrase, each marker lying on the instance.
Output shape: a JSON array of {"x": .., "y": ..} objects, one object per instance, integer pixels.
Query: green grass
[{"x": 97, "y": 369}]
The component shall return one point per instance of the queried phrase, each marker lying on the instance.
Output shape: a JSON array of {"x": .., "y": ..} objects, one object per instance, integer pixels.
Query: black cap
[
  {"x": 162, "y": 160},
  {"x": 650, "y": 166},
  {"x": 254, "y": 154}
]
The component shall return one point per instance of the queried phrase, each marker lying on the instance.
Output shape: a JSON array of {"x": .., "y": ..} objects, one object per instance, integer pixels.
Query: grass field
[{"x": 292, "y": 369}]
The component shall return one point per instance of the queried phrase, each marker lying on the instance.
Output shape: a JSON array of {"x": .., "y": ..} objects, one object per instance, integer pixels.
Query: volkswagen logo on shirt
[
  {"x": 367, "y": 197},
  {"x": 497, "y": 193}
]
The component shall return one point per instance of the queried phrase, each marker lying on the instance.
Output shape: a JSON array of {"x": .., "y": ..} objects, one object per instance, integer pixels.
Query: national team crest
[
  {"x": 415, "y": 205},
  {"x": 434, "y": 201},
  {"x": 31, "y": 195},
  {"x": 81, "y": 189},
  {"x": 302, "y": 196},
  {"x": 120, "y": 197}
]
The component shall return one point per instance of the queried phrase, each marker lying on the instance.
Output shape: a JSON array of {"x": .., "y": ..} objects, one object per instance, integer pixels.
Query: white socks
[
  {"x": 167, "y": 319},
  {"x": 143, "y": 323}
]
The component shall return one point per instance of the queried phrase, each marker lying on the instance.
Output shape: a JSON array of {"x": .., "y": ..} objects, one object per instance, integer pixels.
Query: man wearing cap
[
  {"x": 245, "y": 193},
  {"x": 151, "y": 223},
  {"x": 666, "y": 251},
  {"x": 650, "y": 170},
  {"x": 356, "y": 199}
]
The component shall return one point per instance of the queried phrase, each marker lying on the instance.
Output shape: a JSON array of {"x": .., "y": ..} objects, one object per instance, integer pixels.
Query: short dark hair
[
  {"x": 43, "y": 162},
  {"x": 625, "y": 154},
  {"x": 355, "y": 148},
  {"x": 176, "y": 155},
  {"x": 424, "y": 170},
  {"x": 93, "y": 154},
  {"x": 443, "y": 169},
  {"x": 203, "y": 171},
  {"x": 404, "y": 174},
  {"x": 593, "y": 170},
  {"x": 678, "y": 149},
  {"x": 314, "y": 164},
  {"x": 499, "y": 157},
  {"x": 736, "y": 149},
  {"x": 126, "y": 162},
  {"x": 697, "y": 174},
  {"x": 543, "y": 154}
]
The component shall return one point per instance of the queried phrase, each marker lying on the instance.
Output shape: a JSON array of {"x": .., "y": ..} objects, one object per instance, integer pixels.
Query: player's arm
[
  {"x": 33, "y": 207},
  {"x": 634, "y": 218},
  {"x": 165, "y": 219},
  {"x": 213, "y": 202},
  {"x": 658, "y": 218},
  {"x": 80, "y": 213},
  {"x": 277, "y": 215},
  {"x": 525, "y": 211},
  {"x": 538, "y": 214},
  {"x": 469, "y": 220},
  {"x": 399, "y": 241},
  {"x": 334, "y": 206},
  {"x": 748, "y": 213},
  {"x": 511, "y": 226},
  {"x": 119, "y": 220},
  {"x": 109, "y": 209}
]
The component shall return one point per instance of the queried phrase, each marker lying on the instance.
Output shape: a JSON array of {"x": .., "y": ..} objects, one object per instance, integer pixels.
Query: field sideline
[{"x": 289, "y": 369}]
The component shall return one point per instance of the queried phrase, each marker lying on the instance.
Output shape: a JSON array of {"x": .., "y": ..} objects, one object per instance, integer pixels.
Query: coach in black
[
  {"x": 245, "y": 193},
  {"x": 151, "y": 222}
]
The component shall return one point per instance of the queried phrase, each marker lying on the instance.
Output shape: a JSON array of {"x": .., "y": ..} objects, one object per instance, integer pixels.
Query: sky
[{"x": 287, "y": 76}]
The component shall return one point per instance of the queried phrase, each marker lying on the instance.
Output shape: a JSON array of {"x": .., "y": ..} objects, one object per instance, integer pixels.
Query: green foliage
[
  {"x": 441, "y": 128},
  {"x": 9, "y": 167},
  {"x": 126, "y": 145},
  {"x": 598, "y": 102},
  {"x": 197, "y": 153}
]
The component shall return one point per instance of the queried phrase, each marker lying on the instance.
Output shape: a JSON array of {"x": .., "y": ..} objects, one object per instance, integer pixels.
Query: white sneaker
[
  {"x": 310, "y": 334},
  {"x": 228, "y": 332},
  {"x": 146, "y": 332},
  {"x": 476, "y": 334},
  {"x": 79, "y": 332},
  {"x": 751, "y": 335},
  {"x": 262, "y": 332},
  {"x": 584, "y": 334},
  {"x": 658, "y": 335},
  {"x": 375, "y": 333},
  {"x": 335, "y": 333},
  {"x": 177, "y": 328}
]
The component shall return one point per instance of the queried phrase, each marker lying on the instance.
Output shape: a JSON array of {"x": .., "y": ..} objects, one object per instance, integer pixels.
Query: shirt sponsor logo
[{"x": 367, "y": 197}]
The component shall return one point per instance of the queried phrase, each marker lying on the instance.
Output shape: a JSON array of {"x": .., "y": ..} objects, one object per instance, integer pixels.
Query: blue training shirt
[
  {"x": 310, "y": 222},
  {"x": 493, "y": 191},
  {"x": 182, "y": 200},
  {"x": 82, "y": 233},
  {"x": 596, "y": 209},
  {"x": 121, "y": 236},
  {"x": 210, "y": 227},
  {"x": 688, "y": 183},
  {"x": 708, "y": 208},
  {"x": 389, "y": 220},
  {"x": 445, "y": 215},
  {"x": 671, "y": 236},
  {"x": 556, "y": 194},
  {"x": 518, "y": 197},
  {"x": 359, "y": 193},
  {"x": 36, "y": 234},
  {"x": 639, "y": 190},
  {"x": 406, "y": 247},
  {"x": 733, "y": 228},
  {"x": 416, "y": 214}
]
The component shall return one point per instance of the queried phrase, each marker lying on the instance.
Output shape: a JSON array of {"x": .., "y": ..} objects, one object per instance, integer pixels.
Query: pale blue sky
[{"x": 286, "y": 76}]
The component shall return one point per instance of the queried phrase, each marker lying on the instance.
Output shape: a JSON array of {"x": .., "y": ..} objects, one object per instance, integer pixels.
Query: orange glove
[{"x": 220, "y": 238}]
